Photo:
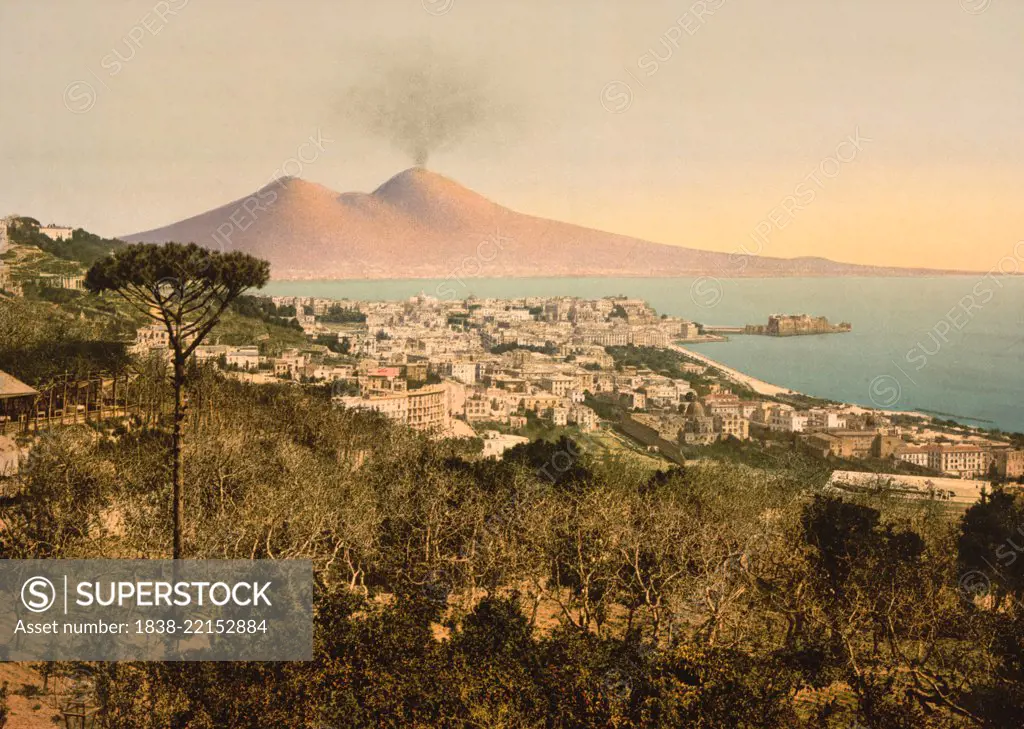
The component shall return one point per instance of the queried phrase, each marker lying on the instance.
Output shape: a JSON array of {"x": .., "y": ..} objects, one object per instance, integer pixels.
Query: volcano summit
[{"x": 420, "y": 224}]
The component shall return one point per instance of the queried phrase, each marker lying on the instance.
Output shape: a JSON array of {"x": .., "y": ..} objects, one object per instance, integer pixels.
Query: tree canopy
[{"x": 179, "y": 284}]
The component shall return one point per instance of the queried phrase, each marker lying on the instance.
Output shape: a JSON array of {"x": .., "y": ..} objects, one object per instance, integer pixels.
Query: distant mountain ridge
[{"x": 420, "y": 224}]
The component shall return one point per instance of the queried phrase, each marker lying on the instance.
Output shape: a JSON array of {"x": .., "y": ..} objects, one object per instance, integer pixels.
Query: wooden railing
[{"x": 69, "y": 401}]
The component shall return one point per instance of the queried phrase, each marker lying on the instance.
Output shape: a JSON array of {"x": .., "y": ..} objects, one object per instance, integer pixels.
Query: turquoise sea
[{"x": 951, "y": 346}]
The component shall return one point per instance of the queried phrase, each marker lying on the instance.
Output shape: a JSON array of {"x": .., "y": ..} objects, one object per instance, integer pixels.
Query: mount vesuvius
[{"x": 420, "y": 224}]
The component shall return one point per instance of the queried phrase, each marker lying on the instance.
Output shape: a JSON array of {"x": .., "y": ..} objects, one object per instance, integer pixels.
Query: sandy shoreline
[{"x": 759, "y": 386}]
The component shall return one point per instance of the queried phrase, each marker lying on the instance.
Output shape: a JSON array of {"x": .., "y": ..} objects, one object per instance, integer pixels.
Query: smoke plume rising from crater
[{"x": 422, "y": 101}]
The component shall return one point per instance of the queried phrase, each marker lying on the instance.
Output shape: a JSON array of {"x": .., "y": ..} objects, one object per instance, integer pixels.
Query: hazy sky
[{"x": 123, "y": 115}]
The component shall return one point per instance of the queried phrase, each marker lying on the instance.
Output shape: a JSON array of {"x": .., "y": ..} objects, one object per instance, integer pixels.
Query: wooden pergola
[{"x": 67, "y": 400}]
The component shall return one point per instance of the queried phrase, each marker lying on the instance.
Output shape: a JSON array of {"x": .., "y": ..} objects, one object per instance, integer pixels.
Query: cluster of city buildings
[
  {"x": 432, "y": 364},
  {"x": 479, "y": 364},
  {"x": 838, "y": 431},
  {"x": 551, "y": 322},
  {"x": 503, "y": 361}
]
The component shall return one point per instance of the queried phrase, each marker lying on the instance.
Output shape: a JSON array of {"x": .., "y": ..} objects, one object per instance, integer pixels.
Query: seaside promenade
[{"x": 759, "y": 386}]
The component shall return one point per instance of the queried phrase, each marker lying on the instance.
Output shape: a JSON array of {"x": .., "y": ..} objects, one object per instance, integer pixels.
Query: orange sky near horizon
[{"x": 922, "y": 218}]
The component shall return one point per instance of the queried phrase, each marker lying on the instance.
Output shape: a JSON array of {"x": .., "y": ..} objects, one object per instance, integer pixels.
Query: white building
[
  {"x": 965, "y": 461},
  {"x": 56, "y": 232},
  {"x": 246, "y": 358},
  {"x": 913, "y": 454},
  {"x": 821, "y": 419},
  {"x": 560, "y": 416},
  {"x": 427, "y": 408},
  {"x": 464, "y": 372},
  {"x": 210, "y": 352},
  {"x": 559, "y": 385},
  {"x": 954, "y": 491},
  {"x": 584, "y": 418},
  {"x": 495, "y": 443},
  {"x": 785, "y": 419},
  {"x": 151, "y": 337}
]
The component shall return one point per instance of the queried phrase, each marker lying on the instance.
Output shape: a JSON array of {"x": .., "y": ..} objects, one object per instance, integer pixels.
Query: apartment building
[
  {"x": 843, "y": 443},
  {"x": 290, "y": 364},
  {"x": 917, "y": 455},
  {"x": 584, "y": 418},
  {"x": 786, "y": 419},
  {"x": 965, "y": 461},
  {"x": 424, "y": 409},
  {"x": 484, "y": 406},
  {"x": 732, "y": 424},
  {"x": 820, "y": 419},
  {"x": 151, "y": 337},
  {"x": 1009, "y": 463},
  {"x": 383, "y": 379},
  {"x": 560, "y": 416},
  {"x": 724, "y": 404},
  {"x": 560, "y": 385}
]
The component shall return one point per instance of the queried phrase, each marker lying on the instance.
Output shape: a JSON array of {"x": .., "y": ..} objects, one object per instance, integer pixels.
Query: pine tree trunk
[{"x": 178, "y": 476}]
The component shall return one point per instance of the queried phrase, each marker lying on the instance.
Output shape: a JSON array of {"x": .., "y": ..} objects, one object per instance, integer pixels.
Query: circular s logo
[
  {"x": 616, "y": 97},
  {"x": 38, "y": 594},
  {"x": 706, "y": 292},
  {"x": 885, "y": 391},
  {"x": 974, "y": 584}
]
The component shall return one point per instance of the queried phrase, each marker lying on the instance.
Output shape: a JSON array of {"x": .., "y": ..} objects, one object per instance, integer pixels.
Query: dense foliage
[
  {"x": 39, "y": 342},
  {"x": 264, "y": 309},
  {"x": 84, "y": 247},
  {"x": 339, "y": 314},
  {"x": 665, "y": 362},
  {"x": 543, "y": 590}
]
